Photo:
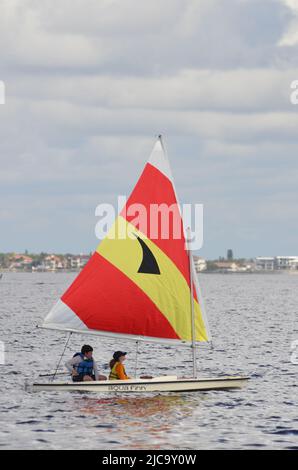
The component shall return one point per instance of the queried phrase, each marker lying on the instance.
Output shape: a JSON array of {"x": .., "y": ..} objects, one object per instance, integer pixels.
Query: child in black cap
[{"x": 117, "y": 367}]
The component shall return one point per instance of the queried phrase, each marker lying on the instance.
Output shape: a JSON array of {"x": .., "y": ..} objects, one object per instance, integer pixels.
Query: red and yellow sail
[{"x": 137, "y": 283}]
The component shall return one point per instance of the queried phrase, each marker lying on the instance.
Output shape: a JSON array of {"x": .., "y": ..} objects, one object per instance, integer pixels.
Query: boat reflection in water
[{"x": 143, "y": 419}]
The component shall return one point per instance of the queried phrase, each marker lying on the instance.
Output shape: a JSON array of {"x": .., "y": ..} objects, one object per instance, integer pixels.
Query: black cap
[
  {"x": 86, "y": 348},
  {"x": 118, "y": 354}
]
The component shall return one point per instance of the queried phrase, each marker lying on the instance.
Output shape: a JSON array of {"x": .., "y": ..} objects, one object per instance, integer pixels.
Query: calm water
[{"x": 253, "y": 319}]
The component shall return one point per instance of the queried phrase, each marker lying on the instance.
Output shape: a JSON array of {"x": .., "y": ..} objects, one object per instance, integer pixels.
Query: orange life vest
[{"x": 114, "y": 374}]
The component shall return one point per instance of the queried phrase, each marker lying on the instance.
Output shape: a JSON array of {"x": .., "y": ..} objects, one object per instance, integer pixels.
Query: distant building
[
  {"x": 19, "y": 261},
  {"x": 294, "y": 264},
  {"x": 78, "y": 262},
  {"x": 226, "y": 266},
  {"x": 264, "y": 263},
  {"x": 74, "y": 262},
  {"x": 200, "y": 264},
  {"x": 26, "y": 261},
  {"x": 277, "y": 263},
  {"x": 231, "y": 266},
  {"x": 286, "y": 262},
  {"x": 42, "y": 262},
  {"x": 52, "y": 262}
]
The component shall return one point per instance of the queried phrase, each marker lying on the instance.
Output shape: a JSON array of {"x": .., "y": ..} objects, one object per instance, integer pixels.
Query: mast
[
  {"x": 193, "y": 330},
  {"x": 136, "y": 362}
]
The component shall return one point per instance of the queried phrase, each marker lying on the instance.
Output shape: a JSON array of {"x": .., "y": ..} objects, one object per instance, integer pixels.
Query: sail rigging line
[
  {"x": 136, "y": 362},
  {"x": 193, "y": 331},
  {"x": 51, "y": 375},
  {"x": 202, "y": 305},
  {"x": 58, "y": 365}
]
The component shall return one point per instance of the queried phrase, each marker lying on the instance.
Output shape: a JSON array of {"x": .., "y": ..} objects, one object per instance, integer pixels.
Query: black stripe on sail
[{"x": 149, "y": 264}]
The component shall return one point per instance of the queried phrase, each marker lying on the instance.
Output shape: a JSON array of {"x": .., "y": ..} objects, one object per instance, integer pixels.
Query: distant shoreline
[
  {"x": 69, "y": 271},
  {"x": 72, "y": 263}
]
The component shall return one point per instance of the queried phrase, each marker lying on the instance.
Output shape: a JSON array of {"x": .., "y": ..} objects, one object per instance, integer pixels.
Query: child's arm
[{"x": 120, "y": 372}]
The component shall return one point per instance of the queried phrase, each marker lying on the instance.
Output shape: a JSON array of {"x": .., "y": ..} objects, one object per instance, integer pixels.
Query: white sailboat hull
[{"x": 157, "y": 384}]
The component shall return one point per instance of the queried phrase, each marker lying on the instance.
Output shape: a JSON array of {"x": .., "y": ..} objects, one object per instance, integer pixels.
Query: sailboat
[{"x": 140, "y": 285}]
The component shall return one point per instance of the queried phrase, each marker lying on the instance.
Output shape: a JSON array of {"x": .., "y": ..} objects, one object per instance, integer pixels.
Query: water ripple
[{"x": 252, "y": 326}]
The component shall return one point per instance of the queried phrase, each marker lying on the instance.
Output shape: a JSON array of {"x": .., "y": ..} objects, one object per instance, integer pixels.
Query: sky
[{"x": 90, "y": 84}]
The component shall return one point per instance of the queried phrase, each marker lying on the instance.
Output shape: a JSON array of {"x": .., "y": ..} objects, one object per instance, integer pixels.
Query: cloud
[
  {"x": 238, "y": 90},
  {"x": 290, "y": 38},
  {"x": 88, "y": 86},
  {"x": 130, "y": 37}
]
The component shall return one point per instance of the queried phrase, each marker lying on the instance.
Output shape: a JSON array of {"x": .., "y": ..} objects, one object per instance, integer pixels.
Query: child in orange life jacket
[{"x": 117, "y": 367}]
